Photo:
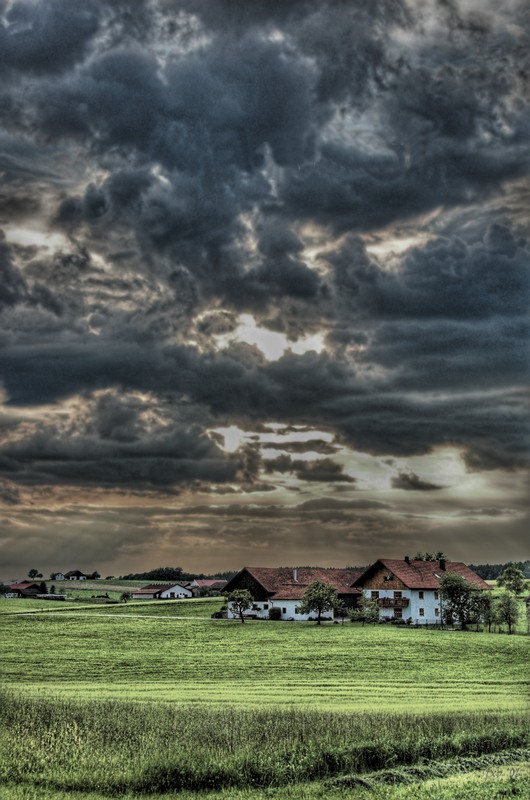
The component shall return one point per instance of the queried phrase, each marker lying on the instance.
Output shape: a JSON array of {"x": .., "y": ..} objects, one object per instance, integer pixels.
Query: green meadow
[{"x": 153, "y": 698}]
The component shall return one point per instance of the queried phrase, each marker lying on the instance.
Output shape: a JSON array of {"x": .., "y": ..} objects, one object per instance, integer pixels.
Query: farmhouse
[
  {"x": 206, "y": 585},
  {"x": 410, "y": 589},
  {"x": 162, "y": 591},
  {"x": 284, "y": 588},
  {"x": 75, "y": 575},
  {"x": 23, "y": 589}
]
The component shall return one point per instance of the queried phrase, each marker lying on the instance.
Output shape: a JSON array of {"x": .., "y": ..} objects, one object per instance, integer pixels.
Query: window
[
  {"x": 420, "y": 595},
  {"x": 437, "y": 595},
  {"x": 265, "y": 606},
  {"x": 436, "y": 612},
  {"x": 422, "y": 612},
  {"x": 374, "y": 594},
  {"x": 284, "y": 611},
  {"x": 398, "y": 595},
  {"x": 398, "y": 613}
]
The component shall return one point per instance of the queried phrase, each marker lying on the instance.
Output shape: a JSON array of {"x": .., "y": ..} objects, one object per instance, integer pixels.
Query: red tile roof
[
  {"x": 23, "y": 585},
  {"x": 280, "y": 582},
  {"x": 423, "y": 574},
  {"x": 207, "y": 583}
]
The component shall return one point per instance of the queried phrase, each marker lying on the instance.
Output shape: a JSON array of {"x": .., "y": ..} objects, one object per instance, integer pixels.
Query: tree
[
  {"x": 320, "y": 597},
  {"x": 42, "y": 587},
  {"x": 125, "y": 597},
  {"x": 52, "y": 589},
  {"x": 94, "y": 576},
  {"x": 483, "y": 608},
  {"x": 34, "y": 573},
  {"x": 341, "y": 610},
  {"x": 507, "y": 610},
  {"x": 241, "y": 600},
  {"x": 367, "y": 610},
  {"x": 457, "y": 599},
  {"x": 512, "y": 579}
]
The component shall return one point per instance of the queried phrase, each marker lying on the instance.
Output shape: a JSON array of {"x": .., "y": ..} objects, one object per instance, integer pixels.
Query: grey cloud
[
  {"x": 48, "y": 36},
  {"x": 410, "y": 482},
  {"x": 323, "y": 469}
]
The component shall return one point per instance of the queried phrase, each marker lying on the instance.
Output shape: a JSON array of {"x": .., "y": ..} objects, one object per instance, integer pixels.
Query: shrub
[{"x": 275, "y": 613}]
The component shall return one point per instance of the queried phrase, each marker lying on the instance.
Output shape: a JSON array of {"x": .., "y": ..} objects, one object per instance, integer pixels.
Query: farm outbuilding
[
  {"x": 165, "y": 591},
  {"x": 22, "y": 589}
]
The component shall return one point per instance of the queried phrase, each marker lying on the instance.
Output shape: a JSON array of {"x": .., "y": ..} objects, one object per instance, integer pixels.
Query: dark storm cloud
[
  {"x": 453, "y": 279},
  {"x": 323, "y": 469},
  {"x": 312, "y": 445},
  {"x": 192, "y": 153},
  {"x": 116, "y": 441},
  {"x": 410, "y": 482},
  {"x": 46, "y": 37}
]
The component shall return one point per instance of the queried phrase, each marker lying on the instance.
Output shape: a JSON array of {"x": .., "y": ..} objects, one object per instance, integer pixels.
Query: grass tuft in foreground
[{"x": 120, "y": 747}]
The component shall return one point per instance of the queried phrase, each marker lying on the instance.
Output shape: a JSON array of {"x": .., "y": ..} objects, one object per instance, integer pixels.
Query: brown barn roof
[
  {"x": 287, "y": 583},
  {"x": 423, "y": 574},
  {"x": 24, "y": 586}
]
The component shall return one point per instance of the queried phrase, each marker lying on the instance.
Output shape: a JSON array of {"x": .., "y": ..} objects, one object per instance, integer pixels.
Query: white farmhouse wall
[
  {"x": 289, "y": 609},
  {"x": 175, "y": 593},
  {"x": 426, "y": 599}
]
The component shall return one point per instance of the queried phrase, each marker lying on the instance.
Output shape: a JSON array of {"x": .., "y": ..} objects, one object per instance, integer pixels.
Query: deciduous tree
[
  {"x": 457, "y": 599},
  {"x": 241, "y": 601},
  {"x": 318, "y": 597},
  {"x": 367, "y": 610},
  {"x": 507, "y": 610},
  {"x": 512, "y": 579}
]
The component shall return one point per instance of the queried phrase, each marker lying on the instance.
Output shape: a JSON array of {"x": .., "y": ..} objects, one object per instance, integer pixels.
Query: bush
[{"x": 275, "y": 613}]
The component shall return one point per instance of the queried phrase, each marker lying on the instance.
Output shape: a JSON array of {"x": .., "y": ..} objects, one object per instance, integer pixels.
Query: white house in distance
[
  {"x": 411, "y": 589},
  {"x": 284, "y": 588},
  {"x": 162, "y": 591},
  {"x": 74, "y": 575}
]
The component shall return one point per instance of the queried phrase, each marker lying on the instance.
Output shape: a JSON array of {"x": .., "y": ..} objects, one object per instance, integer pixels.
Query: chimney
[
  {"x": 407, "y": 559},
  {"x": 295, "y": 574},
  {"x": 443, "y": 564}
]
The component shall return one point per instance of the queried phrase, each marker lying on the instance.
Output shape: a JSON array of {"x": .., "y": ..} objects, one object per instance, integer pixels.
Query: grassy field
[
  {"x": 147, "y": 653},
  {"x": 148, "y": 698}
]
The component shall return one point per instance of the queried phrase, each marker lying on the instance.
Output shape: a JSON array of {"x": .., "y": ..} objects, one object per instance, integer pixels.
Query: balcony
[{"x": 393, "y": 602}]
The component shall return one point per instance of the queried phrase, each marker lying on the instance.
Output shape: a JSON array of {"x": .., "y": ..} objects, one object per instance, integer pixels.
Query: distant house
[
  {"x": 284, "y": 588},
  {"x": 201, "y": 585},
  {"x": 162, "y": 591},
  {"x": 22, "y": 589},
  {"x": 411, "y": 589},
  {"x": 59, "y": 576},
  {"x": 74, "y": 575}
]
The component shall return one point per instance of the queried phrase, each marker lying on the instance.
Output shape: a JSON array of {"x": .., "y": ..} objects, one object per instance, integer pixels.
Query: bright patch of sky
[
  {"x": 273, "y": 345},
  {"x": 30, "y": 237}
]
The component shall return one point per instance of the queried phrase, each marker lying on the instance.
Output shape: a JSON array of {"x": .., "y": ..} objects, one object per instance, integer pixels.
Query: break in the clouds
[{"x": 264, "y": 281}]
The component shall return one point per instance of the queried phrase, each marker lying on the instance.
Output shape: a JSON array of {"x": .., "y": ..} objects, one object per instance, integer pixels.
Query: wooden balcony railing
[{"x": 393, "y": 602}]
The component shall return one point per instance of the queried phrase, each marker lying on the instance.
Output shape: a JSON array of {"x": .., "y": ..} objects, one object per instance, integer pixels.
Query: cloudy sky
[{"x": 264, "y": 282}]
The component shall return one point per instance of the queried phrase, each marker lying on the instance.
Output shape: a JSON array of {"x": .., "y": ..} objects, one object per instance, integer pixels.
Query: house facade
[
  {"x": 201, "y": 586},
  {"x": 159, "y": 591},
  {"x": 284, "y": 588},
  {"x": 74, "y": 575},
  {"x": 409, "y": 589},
  {"x": 22, "y": 589}
]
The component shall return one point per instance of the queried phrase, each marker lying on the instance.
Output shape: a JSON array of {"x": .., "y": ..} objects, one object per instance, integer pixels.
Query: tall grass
[{"x": 118, "y": 747}]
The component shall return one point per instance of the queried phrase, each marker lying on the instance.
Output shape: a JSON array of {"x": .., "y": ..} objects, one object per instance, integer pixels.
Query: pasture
[{"x": 134, "y": 700}]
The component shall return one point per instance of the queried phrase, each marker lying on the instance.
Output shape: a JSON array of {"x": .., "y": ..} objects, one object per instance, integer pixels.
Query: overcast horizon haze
[{"x": 264, "y": 283}]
